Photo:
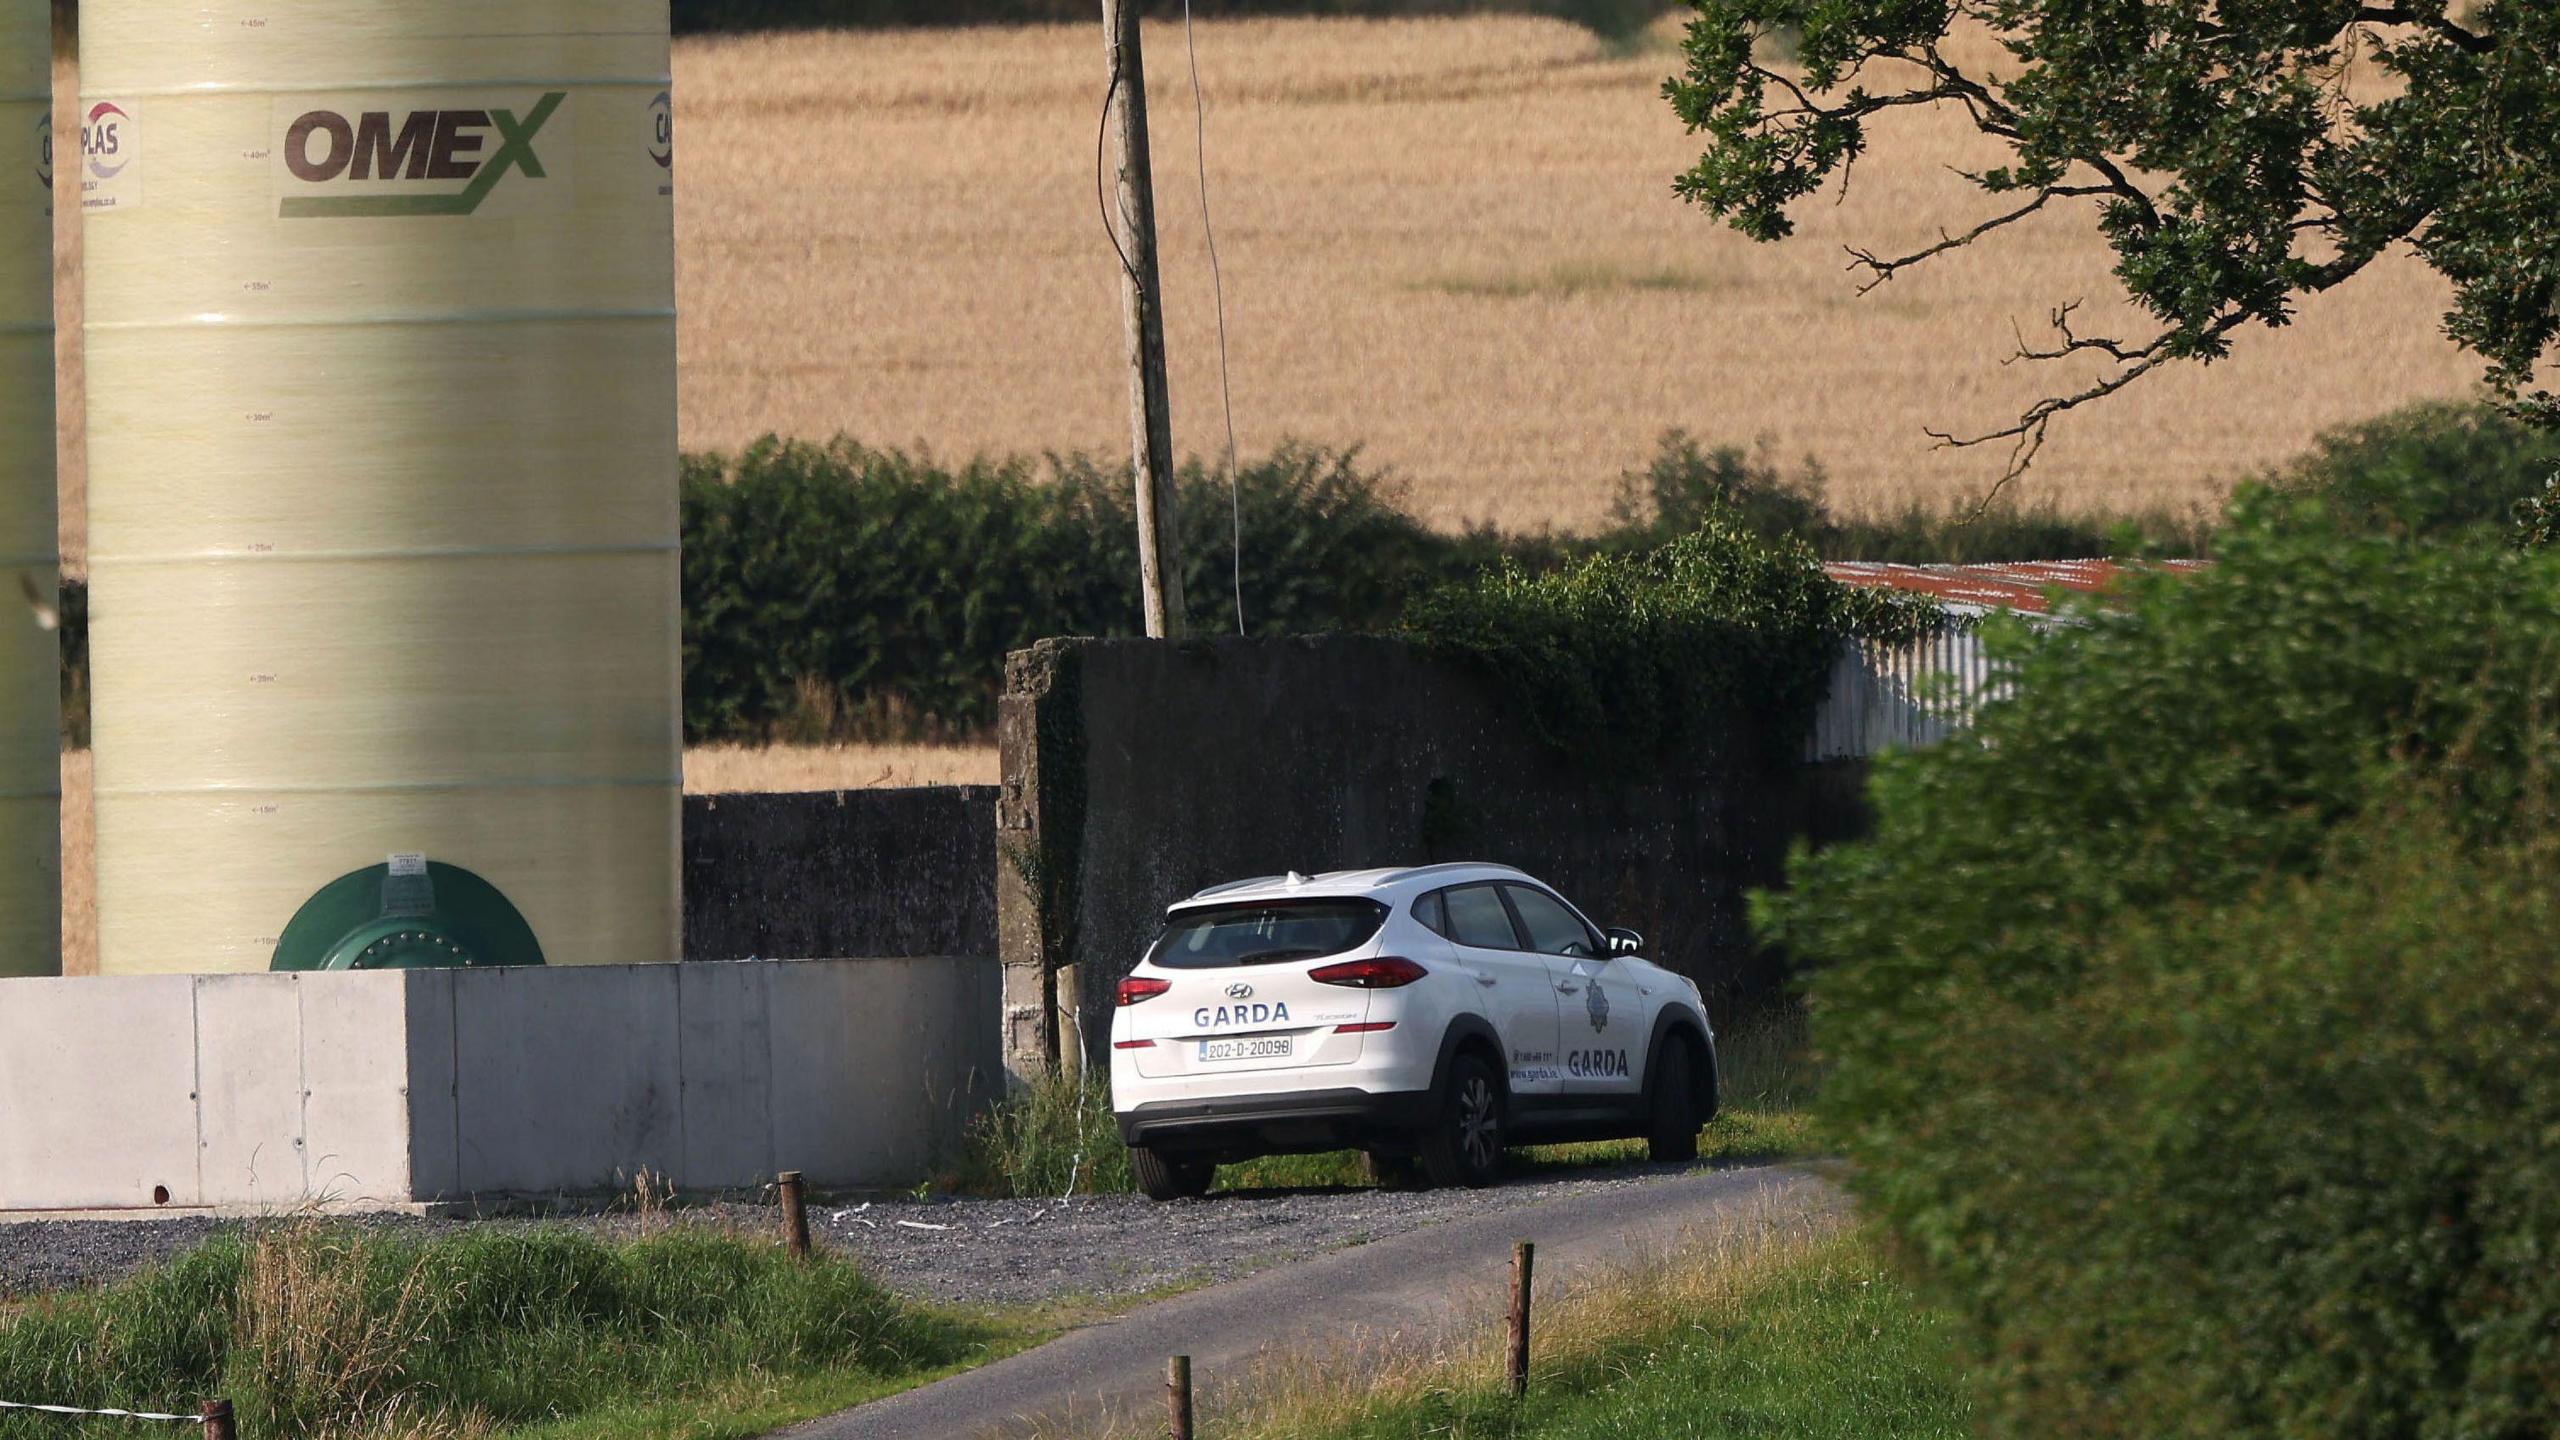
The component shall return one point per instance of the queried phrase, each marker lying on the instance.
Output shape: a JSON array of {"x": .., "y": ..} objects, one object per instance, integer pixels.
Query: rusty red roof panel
[{"x": 2023, "y": 586}]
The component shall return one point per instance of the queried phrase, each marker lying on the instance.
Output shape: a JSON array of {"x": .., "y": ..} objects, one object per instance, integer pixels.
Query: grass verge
[
  {"x": 1776, "y": 1329},
  {"x": 1059, "y": 1138},
  {"x": 319, "y": 1329}
]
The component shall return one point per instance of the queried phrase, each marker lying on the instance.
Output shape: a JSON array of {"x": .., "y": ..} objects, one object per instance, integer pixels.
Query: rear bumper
[{"x": 1304, "y": 1121}]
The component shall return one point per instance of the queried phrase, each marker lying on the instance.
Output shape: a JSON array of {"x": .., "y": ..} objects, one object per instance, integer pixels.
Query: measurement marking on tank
[
  {"x": 256, "y": 154},
  {"x": 257, "y": 287},
  {"x": 261, "y": 547},
  {"x": 270, "y": 808},
  {"x": 259, "y": 417},
  {"x": 267, "y": 678}
]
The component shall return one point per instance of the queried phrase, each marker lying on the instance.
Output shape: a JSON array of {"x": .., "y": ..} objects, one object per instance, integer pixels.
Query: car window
[
  {"x": 1433, "y": 913},
  {"x": 1553, "y": 929},
  {"x": 1264, "y": 932},
  {"x": 1476, "y": 917}
]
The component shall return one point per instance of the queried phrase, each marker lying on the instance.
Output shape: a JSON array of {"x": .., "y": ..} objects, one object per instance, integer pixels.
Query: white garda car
[{"x": 1429, "y": 1016}]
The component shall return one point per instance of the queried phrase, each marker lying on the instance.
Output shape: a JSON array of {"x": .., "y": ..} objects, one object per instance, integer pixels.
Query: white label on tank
[
  {"x": 111, "y": 155},
  {"x": 408, "y": 864},
  {"x": 435, "y": 154}
]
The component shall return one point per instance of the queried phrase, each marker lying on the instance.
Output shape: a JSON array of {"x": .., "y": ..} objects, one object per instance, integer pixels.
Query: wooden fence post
[
  {"x": 795, "y": 1214},
  {"x": 1177, "y": 1396},
  {"x": 217, "y": 1421},
  {"x": 1523, "y": 1256}
]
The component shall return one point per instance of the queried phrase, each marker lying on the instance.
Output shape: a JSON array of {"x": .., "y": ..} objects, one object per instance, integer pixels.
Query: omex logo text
[{"x": 424, "y": 152}]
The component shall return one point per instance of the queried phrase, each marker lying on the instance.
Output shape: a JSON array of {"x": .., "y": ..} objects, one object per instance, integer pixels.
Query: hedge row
[
  {"x": 834, "y": 589},
  {"x": 2192, "y": 1016},
  {"x": 837, "y": 587}
]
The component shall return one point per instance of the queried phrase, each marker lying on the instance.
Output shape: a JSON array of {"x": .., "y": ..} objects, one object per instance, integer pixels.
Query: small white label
[
  {"x": 408, "y": 864},
  {"x": 111, "y": 155}
]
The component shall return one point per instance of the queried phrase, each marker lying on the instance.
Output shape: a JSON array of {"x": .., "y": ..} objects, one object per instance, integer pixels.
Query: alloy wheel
[{"x": 1479, "y": 1123}]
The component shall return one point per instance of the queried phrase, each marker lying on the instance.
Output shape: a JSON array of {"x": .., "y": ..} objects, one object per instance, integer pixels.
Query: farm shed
[{"x": 1887, "y": 696}]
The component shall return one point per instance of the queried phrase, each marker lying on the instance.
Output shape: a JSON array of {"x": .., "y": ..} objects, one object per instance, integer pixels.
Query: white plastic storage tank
[
  {"x": 382, "y": 482},
  {"x": 30, "y": 661}
]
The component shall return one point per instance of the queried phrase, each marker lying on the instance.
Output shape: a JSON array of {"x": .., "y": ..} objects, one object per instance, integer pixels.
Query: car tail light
[
  {"x": 1133, "y": 1044},
  {"x": 1383, "y": 973},
  {"x": 1369, "y": 1027},
  {"x": 1135, "y": 988}
]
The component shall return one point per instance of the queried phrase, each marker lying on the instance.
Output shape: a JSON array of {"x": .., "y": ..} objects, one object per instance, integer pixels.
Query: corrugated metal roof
[{"x": 2022, "y": 586}]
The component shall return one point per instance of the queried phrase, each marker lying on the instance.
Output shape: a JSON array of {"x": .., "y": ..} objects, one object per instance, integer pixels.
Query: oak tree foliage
[{"x": 2238, "y": 155}]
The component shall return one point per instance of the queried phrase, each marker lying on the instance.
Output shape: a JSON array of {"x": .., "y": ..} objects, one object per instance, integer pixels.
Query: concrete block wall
[
  {"x": 841, "y": 872},
  {"x": 358, "y": 1091},
  {"x": 1136, "y": 772}
]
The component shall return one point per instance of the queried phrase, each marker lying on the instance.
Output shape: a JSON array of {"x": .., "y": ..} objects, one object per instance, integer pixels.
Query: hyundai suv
[{"x": 1429, "y": 1016}]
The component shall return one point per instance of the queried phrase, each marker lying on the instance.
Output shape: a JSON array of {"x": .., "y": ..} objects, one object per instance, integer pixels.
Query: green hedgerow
[
  {"x": 2213, "y": 737},
  {"x": 881, "y": 586},
  {"x": 2284, "y": 1166},
  {"x": 2442, "y": 468}
]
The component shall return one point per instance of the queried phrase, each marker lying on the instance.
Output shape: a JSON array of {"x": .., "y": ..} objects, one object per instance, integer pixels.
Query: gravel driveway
[{"x": 966, "y": 1250}]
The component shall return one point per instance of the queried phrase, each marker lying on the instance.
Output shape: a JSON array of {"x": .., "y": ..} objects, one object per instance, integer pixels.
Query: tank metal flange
[{"x": 408, "y": 913}]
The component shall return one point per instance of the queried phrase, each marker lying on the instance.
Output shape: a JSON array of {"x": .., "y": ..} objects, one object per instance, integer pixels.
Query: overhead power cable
[{"x": 1218, "y": 286}]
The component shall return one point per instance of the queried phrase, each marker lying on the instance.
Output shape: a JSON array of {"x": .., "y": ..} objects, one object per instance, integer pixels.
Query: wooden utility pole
[{"x": 1142, "y": 313}]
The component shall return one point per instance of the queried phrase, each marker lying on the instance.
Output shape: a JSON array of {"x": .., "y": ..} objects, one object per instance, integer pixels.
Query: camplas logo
[
  {"x": 110, "y": 155},
  {"x": 367, "y": 160},
  {"x": 102, "y": 140}
]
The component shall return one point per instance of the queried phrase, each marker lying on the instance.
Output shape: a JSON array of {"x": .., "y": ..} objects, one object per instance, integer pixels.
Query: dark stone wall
[
  {"x": 1139, "y": 772},
  {"x": 840, "y": 873}
]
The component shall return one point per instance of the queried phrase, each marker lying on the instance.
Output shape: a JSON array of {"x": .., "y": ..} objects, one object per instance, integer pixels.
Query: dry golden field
[
  {"x": 727, "y": 769},
  {"x": 1449, "y": 240}
]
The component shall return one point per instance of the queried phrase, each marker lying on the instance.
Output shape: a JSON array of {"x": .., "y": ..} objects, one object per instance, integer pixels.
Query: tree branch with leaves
[{"x": 2215, "y": 143}]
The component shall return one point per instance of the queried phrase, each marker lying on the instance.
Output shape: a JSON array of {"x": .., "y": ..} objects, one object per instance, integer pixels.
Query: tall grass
[
  {"x": 1780, "y": 1325},
  {"x": 1053, "y": 1137},
  {"x": 315, "y": 1329}
]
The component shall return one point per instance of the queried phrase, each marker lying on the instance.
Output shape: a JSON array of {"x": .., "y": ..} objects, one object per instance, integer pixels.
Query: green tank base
[{"x": 409, "y": 913}]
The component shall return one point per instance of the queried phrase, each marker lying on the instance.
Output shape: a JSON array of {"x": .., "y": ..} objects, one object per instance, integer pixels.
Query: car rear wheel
[
  {"x": 1164, "y": 1177},
  {"x": 1463, "y": 1146},
  {"x": 1671, "y": 1127}
]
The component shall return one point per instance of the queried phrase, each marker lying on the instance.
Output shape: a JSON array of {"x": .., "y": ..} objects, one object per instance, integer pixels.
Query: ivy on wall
[{"x": 1622, "y": 658}]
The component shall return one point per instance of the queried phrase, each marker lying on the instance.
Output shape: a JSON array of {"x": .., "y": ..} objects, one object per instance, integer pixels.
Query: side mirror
[{"x": 1625, "y": 942}]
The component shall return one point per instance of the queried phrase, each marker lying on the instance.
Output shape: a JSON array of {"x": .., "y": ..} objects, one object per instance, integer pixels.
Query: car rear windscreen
[{"x": 1266, "y": 932}]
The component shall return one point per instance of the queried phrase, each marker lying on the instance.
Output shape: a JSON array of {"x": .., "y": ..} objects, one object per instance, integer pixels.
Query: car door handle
[
  {"x": 1487, "y": 980},
  {"x": 1568, "y": 989}
]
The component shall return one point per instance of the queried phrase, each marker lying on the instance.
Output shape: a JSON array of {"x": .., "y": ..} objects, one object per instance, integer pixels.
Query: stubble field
[{"x": 1450, "y": 240}]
